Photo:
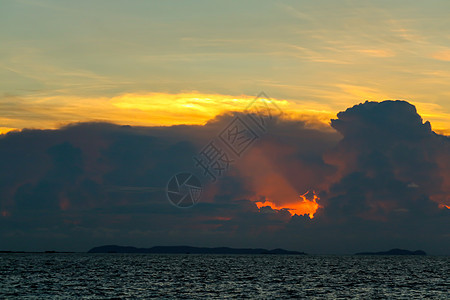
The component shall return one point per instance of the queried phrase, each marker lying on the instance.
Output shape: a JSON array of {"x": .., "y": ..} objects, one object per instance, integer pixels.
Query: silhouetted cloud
[
  {"x": 391, "y": 167},
  {"x": 380, "y": 177},
  {"x": 389, "y": 157}
]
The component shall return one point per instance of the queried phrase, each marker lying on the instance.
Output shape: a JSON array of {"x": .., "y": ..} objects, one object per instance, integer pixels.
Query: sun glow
[
  {"x": 166, "y": 109},
  {"x": 147, "y": 109},
  {"x": 303, "y": 207},
  {"x": 4, "y": 130},
  {"x": 442, "y": 206}
]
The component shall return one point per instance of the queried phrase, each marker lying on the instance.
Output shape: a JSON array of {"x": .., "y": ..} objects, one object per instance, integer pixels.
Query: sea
[{"x": 191, "y": 276}]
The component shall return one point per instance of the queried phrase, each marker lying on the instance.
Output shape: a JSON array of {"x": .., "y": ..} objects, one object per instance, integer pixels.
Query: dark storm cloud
[
  {"x": 391, "y": 179},
  {"x": 380, "y": 178},
  {"x": 390, "y": 160}
]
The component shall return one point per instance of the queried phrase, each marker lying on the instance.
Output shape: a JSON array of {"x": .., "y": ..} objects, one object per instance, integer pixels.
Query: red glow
[
  {"x": 64, "y": 203},
  {"x": 302, "y": 207},
  {"x": 444, "y": 206}
]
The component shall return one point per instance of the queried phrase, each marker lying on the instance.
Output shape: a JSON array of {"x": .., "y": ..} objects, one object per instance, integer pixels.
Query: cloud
[
  {"x": 442, "y": 55},
  {"x": 385, "y": 148},
  {"x": 382, "y": 178},
  {"x": 377, "y": 52},
  {"x": 389, "y": 140}
]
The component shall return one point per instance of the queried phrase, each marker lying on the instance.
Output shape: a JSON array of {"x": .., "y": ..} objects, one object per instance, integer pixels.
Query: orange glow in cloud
[
  {"x": 302, "y": 207},
  {"x": 444, "y": 206},
  {"x": 274, "y": 185}
]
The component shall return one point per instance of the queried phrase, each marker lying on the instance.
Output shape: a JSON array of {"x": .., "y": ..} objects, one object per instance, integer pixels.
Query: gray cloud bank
[{"x": 382, "y": 176}]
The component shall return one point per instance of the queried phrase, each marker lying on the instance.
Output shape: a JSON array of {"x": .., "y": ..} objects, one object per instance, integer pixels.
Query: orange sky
[
  {"x": 162, "y": 109},
  {"x": 148, "y": 63}
]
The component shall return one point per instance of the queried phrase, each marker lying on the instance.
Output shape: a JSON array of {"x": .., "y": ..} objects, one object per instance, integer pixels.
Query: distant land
[
  {"x": 48, "y": 251},
  {"x": 394, "y": 252},
  {"x": 190, "y": 250},
  {"x": 206, "y": 250}
]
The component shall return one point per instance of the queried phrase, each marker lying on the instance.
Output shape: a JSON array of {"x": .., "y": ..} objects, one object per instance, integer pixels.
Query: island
[
  {"x": 190, "y": 250},
  {"x": 394, "y": 252}
]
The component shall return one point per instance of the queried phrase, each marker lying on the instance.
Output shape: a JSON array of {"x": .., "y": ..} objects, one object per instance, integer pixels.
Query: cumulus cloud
[
  {"x": 386, "y": 149},
  {"x": 382, "y": 177},
  {"x": 387, "y": 146}
]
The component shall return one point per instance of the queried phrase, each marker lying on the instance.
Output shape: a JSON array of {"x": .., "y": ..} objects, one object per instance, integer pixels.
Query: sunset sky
[
  {"x": 73, "y": 72},
  {"x": 125, "y": 62}
]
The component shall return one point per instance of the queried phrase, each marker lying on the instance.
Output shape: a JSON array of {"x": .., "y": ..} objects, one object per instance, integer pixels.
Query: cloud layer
[{"x": 383, "y": 179}]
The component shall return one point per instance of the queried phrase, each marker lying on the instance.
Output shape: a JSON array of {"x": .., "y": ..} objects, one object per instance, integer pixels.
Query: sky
[{"x": 102, "y": 102}]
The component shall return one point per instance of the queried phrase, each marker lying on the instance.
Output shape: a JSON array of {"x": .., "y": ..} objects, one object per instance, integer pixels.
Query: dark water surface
[{"x": 131, "y": 276}]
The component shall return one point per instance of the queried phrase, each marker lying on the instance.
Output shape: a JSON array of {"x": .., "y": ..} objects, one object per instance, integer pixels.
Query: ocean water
[{"x": 143, "y": 276}]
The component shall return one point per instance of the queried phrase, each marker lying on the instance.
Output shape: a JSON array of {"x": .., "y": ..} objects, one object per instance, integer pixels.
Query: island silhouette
[
  {"x": 189, "y": 250},
  {"x": 395, "y": 251}
]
